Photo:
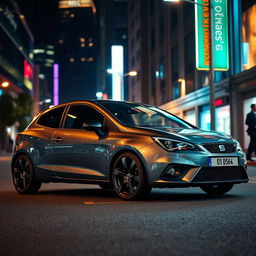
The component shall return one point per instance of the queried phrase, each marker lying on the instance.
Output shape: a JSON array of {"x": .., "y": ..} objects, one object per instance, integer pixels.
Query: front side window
[
  {"x": 142, "y": 115},
  {"x": 79, "y": 116},
  {"x": 51, "y": 118}
]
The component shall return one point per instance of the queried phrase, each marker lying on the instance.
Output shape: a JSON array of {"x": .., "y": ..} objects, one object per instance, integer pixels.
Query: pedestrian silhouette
[{"x": 251, "y": 122}]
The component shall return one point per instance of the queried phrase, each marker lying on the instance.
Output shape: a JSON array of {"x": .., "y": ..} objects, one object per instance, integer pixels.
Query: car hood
[{"x": 192, "y": 135}]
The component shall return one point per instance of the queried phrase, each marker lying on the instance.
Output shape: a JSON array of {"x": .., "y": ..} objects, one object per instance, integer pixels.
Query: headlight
[{"x": 174, "y": 145}]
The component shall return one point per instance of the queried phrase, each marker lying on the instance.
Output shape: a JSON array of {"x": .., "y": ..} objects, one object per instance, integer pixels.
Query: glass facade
[
  {"x": 222, "y": 119},
  {"x": 204, "y": 117}
]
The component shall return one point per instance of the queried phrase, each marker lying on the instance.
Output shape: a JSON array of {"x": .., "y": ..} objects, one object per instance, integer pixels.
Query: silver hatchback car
[{"x": 130, "y": 147}]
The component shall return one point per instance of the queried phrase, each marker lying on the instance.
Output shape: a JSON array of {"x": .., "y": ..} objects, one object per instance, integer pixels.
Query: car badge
[{"x": 222, "y": 148}]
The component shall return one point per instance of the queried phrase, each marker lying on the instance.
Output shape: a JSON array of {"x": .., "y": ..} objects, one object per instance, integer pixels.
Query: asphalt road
[{"x": 64, "y": 219}]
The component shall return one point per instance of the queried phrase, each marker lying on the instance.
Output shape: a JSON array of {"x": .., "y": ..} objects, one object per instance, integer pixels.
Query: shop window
[
  {"x": 222, "y": 119},
  {"x": 204, "y": 117},
  {"x": 190, "y": 116},
  {"x": 249, "y": 37}
]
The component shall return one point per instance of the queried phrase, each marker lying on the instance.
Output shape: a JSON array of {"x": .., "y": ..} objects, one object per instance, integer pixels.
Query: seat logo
[{"x": 222, "y": 148}]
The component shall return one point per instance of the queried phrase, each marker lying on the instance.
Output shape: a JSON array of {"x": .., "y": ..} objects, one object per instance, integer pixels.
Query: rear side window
[
  {"x": 79, "y": 115},
  {"x": 52, "y": 118}
]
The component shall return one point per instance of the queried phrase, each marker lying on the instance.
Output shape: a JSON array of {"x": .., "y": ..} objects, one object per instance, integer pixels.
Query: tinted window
[
  {"x": 142, "y": 115},
  {"x": 51, "y": 118},
  {"x": 79, "y": 116}
]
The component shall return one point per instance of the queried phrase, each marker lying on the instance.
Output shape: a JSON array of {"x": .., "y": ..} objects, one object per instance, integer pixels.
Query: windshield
[{"x": 142, "y": 115}]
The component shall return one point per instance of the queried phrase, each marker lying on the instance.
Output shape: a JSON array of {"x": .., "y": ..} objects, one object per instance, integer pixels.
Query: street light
[
  {"x": 211, "y": 64},
  {"x": 43, "y": 101},
  {"x": 5, "y": 84},
  {"x": 131, "y": 73}
]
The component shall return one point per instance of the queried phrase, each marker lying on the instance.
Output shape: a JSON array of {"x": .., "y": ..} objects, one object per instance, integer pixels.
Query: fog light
[{"x": 171, "y": 171}]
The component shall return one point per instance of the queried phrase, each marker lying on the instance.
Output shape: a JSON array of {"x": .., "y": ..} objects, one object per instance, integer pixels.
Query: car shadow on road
[{"x": 100, "y": 195}]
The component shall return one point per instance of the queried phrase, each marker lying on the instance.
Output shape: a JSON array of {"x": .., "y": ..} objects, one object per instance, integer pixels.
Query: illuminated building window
[
  {"x": 82, "y": 45},
  {"x": 90, "y": 44},
  {"x": 50, "y": 52},
  {"x": 83, "y": 59},
  {"x": 36, "y": 51},
  {"x": 71, "y": 60},
  {"x": 82, "y": 40},
  {"x": 61, "y": 41},
  {"x": 90, "y": 59},
  {"x": 22, "y": 17},
  {"x": 72, "y": 15},
  {"x": 49, "y": 60}
]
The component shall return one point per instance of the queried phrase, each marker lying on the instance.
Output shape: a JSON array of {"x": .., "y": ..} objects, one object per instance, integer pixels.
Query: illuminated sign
[
  {"x": 63, "y": 4},
  {"x": 28, "y": 71},
  {"x": 221, "y": 101},
  {"x": 220, "y": 34},
  {"x": 117, "y": 59},
  {"x": 56, "y": 84}
]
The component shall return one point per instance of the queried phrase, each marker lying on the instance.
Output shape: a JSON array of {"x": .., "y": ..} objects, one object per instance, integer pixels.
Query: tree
[
  {"x": 23, "y": 109},
  {"x": 7, "y": 117}
]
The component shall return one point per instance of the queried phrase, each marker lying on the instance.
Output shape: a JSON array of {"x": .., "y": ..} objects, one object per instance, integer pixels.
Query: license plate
[{"x": 223, "y": 161}]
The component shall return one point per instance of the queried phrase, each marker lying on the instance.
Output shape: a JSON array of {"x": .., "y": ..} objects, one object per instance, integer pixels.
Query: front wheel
[
  {"x": 128, "y": 177},
  {"x": 24, "y": 176},
  {"x": 216, "y": 189}
]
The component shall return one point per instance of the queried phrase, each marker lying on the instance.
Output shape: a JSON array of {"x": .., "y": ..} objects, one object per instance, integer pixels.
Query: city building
[
  {"x": 112, "y": 23},
  {"x": 162, "y": 48},
  {"x": 16, "y": 52},
  {"x": 77, "y": 49}
]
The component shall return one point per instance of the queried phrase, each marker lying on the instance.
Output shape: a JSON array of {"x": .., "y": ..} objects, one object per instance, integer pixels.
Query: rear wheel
[
  {"x": 24, "y": 176},
  {"x": 216, "y": 189},
  {"x": 128, "y": 177}
]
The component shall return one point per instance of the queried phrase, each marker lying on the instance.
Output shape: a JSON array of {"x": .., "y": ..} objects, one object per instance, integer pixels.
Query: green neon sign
[{"x": 220, "y": 34}]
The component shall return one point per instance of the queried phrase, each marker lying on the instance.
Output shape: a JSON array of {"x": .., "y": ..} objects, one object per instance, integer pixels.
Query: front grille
[
  {"x": 220, "y": 174},
  {"x": 220, "y": 147}
]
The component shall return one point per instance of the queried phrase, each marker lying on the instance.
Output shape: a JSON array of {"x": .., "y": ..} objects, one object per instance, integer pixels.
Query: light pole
[
  {"x": 131, "y": 73},
  {"x": 211, "y": 59}
]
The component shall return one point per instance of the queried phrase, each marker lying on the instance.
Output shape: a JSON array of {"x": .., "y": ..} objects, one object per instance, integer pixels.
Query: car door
[
  {"x": 80, "y": 153},
  {"x": 42, "y": 132}
]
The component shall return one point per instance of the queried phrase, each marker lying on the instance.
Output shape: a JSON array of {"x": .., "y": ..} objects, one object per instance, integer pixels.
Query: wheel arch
[{"x": 129, "y": 150}]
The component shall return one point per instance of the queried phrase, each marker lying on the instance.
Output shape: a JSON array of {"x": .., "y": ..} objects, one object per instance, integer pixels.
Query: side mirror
[{"x": 92, "y": 125}]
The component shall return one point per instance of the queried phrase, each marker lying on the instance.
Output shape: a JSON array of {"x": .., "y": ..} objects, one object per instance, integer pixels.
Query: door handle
[{"x": 58, "y": 139}]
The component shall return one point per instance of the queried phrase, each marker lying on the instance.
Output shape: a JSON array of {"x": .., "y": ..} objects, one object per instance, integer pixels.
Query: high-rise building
[
  {"x": 76, "y": 49},
  {"x": 162, "y": 49},
  {"x": 16, "y": 48},
  {"x": 113, "y": 22},
  {"x": 16, "y": 52}
]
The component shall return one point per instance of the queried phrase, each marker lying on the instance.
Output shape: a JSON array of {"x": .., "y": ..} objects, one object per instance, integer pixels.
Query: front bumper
[{"x": 184, "y": 169}]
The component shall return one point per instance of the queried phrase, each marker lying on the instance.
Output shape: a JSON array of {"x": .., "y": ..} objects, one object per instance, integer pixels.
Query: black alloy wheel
[
  {"x": 24, "y": 176},
  {"x": 216, "y": 189},
  {"x": 128, "y": 177}
]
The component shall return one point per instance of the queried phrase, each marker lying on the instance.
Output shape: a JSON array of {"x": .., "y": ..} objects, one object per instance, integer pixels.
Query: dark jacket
[{"x": 251, "y": 122}]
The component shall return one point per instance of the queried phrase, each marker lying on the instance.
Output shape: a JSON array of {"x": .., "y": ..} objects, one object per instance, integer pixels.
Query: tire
[
  {"x": 216, "y": 189},
  {"x": 106, "y": 186},
  {"x": 128, "y": 177},
  {"x": 23, "y": 175}
]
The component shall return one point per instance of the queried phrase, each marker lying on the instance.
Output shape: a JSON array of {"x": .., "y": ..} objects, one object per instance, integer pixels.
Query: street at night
[
  {"x": 66, "y": 219},
  {"x": 128, "y": 127}
]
